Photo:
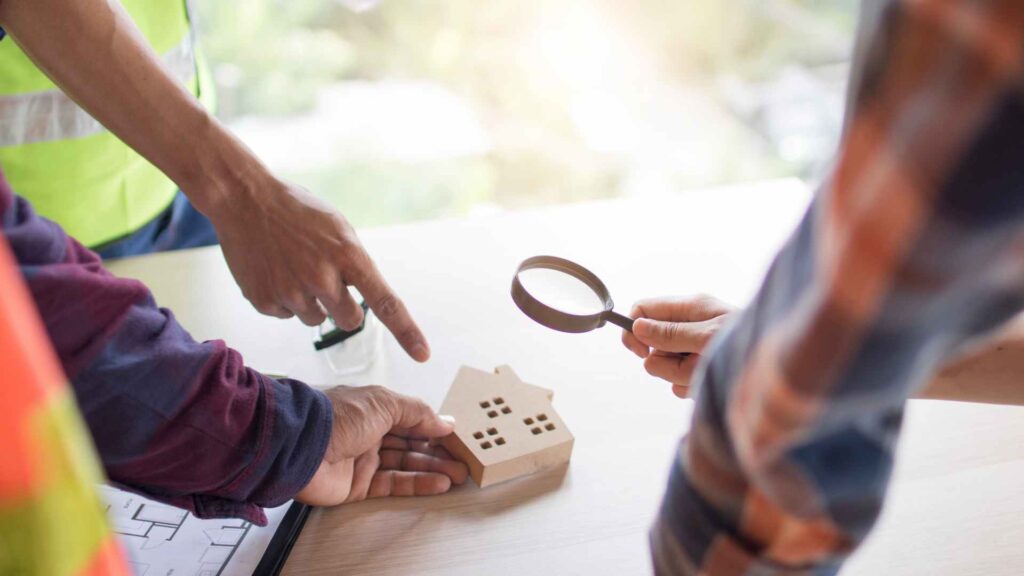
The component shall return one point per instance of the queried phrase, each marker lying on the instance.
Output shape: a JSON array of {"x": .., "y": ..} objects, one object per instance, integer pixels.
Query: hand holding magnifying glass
[{"x": 668, "y": 333}]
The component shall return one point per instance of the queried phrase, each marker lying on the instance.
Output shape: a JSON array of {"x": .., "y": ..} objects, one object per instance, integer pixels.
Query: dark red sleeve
[{"x": 174, "y": 419}]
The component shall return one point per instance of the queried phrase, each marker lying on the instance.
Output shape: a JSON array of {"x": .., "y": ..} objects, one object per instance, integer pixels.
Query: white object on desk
[{"x": 357, "y": 353}]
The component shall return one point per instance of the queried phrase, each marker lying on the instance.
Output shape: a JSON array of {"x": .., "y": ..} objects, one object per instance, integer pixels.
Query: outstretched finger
[
  {"x": 365, "y": 466},
  {"x": 416, "y": 462},
  {"x": 402, "y": 483},
  {"x": 390, "y": 309},
  {"x": 392, "y": 442}
]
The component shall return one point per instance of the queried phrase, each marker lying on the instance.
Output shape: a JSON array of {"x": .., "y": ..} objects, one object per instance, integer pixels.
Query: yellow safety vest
[{"x": 72, "y": 169}]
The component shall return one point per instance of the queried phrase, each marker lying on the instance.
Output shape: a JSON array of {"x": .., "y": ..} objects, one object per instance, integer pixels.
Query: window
[{"x": 416, "y": 110}]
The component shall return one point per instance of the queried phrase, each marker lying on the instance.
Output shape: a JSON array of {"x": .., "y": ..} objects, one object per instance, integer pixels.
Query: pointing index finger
[{"x": 392, "y": 312}]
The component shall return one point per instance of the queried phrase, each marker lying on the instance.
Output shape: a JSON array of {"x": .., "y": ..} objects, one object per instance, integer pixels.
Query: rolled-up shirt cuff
[{"x": 294, "y": 444}]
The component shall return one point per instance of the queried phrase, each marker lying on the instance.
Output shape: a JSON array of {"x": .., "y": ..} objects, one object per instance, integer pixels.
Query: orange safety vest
[{"x": 51, "y": 518}]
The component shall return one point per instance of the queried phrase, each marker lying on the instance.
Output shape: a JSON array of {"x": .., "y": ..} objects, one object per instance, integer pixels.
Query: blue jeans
[{"x": 179, "y": 226}]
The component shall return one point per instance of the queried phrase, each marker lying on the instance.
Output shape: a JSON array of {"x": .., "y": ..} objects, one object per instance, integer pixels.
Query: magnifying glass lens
[
  {"x": 561, "y": 291},
  {"x": 564, "y": 296}
]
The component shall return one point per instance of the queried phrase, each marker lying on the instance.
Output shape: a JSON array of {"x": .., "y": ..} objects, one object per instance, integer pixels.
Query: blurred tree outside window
[{"x": 417, "y": 109}]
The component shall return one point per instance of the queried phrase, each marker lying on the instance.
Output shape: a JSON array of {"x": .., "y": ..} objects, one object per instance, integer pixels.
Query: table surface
[{"x": 957, "y": 504}]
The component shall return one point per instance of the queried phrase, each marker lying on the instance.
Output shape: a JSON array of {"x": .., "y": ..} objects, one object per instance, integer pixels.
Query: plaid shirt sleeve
[{"x": 913, "y": 246}]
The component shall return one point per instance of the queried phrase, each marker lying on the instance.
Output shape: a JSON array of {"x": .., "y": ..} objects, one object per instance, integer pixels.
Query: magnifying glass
[{"x": 564, "y": 296}]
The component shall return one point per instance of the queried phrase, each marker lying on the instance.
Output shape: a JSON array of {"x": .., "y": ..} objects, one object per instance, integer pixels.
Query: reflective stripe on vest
[
  {"x": 73, "y": 170},
  {"x": 52, "y": 115}
]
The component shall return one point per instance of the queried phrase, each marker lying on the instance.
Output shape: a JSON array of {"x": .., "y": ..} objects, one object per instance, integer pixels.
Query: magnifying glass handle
[{"x": 624, "y": 322}]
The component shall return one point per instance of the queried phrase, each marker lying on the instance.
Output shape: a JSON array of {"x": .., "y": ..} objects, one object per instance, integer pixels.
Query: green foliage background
[{"x": 271, "y": 57}]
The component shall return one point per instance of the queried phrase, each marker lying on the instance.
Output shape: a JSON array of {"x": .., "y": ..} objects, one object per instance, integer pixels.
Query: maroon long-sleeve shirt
[{"x": 174, "y": 419}]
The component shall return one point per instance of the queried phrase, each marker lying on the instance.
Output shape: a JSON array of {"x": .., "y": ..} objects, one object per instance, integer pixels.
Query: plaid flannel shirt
[{"x": 913, "y": 246}]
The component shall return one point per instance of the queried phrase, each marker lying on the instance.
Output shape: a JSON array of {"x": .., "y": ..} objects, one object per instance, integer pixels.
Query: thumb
[
  {"x": 413, "y": 418},
  {"x": 669, "y": 336}
]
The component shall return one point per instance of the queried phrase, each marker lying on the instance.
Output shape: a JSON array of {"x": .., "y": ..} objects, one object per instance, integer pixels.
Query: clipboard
[
  {"x": 280, "y": 546},
  {"x": 161, "y": 538}
]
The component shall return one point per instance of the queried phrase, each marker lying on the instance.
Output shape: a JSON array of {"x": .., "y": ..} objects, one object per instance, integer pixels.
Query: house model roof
[{"x": 504, "y": 427}]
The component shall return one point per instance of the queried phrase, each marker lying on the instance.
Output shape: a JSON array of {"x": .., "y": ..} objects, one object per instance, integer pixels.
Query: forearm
[
  {"x": 992, "y": 372},
  {"x": 94, "y": 52}
]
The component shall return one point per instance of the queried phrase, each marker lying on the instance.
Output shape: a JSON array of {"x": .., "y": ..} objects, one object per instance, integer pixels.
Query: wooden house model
[{"x": 504, "y": 427}]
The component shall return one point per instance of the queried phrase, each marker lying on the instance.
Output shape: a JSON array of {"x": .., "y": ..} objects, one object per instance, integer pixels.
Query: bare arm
[
  {"x": 94, "y": 52},
  {"x": 991, "y": 373},
  {"x": 289, "y": 252},
  {"x": 671, "y": 334}
]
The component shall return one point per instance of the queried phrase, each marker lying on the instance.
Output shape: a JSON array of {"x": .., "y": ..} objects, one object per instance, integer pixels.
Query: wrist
[{"x": 224, "y": 172}]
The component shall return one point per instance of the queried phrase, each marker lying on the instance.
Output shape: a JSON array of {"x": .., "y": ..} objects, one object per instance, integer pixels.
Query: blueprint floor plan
[{"x": 161, "y": 540}]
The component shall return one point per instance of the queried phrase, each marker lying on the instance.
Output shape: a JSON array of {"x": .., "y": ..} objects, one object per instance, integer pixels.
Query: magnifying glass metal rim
[{"x": 557, "y": 319}]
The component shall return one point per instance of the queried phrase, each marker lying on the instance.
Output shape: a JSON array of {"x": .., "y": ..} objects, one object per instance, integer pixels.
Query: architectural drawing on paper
[{"x": 161, "y": 539}]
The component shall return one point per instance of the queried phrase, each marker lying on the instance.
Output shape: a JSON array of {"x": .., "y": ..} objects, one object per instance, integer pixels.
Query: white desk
[{"x": 958, "y": 500}]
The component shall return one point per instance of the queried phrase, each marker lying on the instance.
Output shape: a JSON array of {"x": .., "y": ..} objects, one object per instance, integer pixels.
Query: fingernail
[
  {"x": 448, "y": 418},
  {"x": 420, "y": 352}
]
